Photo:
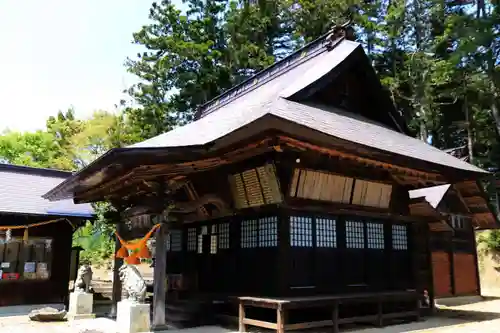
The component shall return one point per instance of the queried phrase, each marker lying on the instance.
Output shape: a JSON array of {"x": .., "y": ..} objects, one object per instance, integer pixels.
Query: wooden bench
[{"x": 333, "y": 302}]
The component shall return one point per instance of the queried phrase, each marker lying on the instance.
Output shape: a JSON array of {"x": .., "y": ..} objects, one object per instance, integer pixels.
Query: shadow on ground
[{"x": 467, "y": 315}]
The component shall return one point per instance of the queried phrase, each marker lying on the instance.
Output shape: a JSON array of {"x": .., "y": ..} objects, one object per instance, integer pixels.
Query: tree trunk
[
  {"x": 423, "y": 131},
  {"x": 496, "y": 115},
  {"x": 470, "y": 135}
]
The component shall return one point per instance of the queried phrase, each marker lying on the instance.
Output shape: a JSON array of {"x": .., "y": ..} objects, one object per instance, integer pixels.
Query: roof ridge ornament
[{"x": 338, "y": 33}]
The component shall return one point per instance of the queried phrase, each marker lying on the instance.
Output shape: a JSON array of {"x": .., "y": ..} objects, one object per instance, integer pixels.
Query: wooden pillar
[
  {"x": 159, "y": 277},
  {"x": 474, "y": 253},
  {"x": 281, "y": 319},
  {"x": 451, "y": 256},
  {"x": 335, "y": 317},
  {"x": 116, "y": 295},
  {"x": 283, "y": 253},
  {"x": 380, "y": 314},
  {"x": 241, "y": 317}
]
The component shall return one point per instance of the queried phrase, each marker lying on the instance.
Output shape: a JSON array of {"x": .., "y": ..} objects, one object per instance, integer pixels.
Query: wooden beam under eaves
[{"x": 287, "y": 141}]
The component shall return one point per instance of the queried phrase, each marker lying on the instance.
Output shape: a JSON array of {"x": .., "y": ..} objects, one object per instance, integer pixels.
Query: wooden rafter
[
  {"x": 413, "y": 180},
  {"x": 462, "y": 199},
  {"x": 394, "y": 168},
  {"x": 150, "y": 172},
  {"x": 193, "y": 195}
]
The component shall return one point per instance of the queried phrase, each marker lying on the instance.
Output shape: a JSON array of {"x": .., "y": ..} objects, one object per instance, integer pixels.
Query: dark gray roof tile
[
  {"x": 357, "y": 129},
  {"x": 21, "y": 191}
]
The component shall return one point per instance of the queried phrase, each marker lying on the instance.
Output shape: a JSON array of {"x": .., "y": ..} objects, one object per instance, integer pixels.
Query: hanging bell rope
[{"x": 132, "y": 251}]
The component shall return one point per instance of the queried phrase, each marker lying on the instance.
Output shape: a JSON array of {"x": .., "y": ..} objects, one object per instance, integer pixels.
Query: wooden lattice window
[
  {"x": 268, "y": 231},
  {"x": 326, "y": 233},
  {"x": 168, "y": 241},
  {"x": 301, "y": 231},
  {"x": 224, "y": 236},
  {"x": 459, "y": 222},
  {"x": 326, "y": 186},
  {"x": 191, "y": 239},
  {"x": 399, "y": 237},
  {"x": 255, "y": 187},
  {"x": 355, "y": 235},
  {"x": 213, "y": 239},
  {"x": 249, "y": 234},
  {"x": 375, "y": 235},
  {"x": 176, "y": 240},
  {"x": 371, "y": 194},
  {"x": 318, "y": 185},
  {"x": 213, "y": 244},
  {"x": 200, "y": 243}
]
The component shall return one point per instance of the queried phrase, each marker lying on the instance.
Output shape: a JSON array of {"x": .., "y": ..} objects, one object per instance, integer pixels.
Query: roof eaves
[
  {"x": 72, "y": 214},
  {"x": 35, "y": 170},
  {"x": 107, "y": 159},
  {"x": 68, "y": 182},
  {"x": 307, "y": 118},
  {"x": 488, "y": 203},
  {"x": 69, "y": 215}
]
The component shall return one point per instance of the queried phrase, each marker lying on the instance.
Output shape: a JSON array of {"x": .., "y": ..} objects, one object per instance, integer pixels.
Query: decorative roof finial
[{"x": 338, "y": 33}]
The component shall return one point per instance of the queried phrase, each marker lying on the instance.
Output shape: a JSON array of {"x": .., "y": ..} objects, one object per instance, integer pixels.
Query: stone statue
[
  {"x": 132, "y": 283},
  {"x": 83, "y": 278}
]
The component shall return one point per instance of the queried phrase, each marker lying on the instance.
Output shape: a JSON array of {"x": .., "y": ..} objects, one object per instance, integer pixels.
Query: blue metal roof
[{"x": 21, "y": 190}]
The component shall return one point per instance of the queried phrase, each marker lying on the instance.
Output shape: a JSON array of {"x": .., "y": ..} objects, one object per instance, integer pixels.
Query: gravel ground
[{"x": 481, "y": 317}]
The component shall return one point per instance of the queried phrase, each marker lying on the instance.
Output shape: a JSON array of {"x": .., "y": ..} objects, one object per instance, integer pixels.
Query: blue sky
[{"x": 61, "y": 53}]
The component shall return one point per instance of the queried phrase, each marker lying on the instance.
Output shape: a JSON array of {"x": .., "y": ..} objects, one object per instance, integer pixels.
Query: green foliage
[
  {"x": 96, "y": 239},
  {"x": 489, "y": 241},
  {"x": 438, "y": 60},
  {"x": 69, "y": 144},
  {"x": 32, "y": 149}
]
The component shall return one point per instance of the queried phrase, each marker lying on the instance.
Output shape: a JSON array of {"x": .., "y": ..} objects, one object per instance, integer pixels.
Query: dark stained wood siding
[
  {"x": 441, "y": 274},
  {"x": 53, "y": 290},
  {"x": 455, "y": 271},
  {"x": 465, "y": 277},
  {"x": 310, "y": 254}
]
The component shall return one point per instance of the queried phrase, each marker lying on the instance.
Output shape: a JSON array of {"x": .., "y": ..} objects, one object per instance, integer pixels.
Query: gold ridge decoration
[{"x": 255, "y": 187}]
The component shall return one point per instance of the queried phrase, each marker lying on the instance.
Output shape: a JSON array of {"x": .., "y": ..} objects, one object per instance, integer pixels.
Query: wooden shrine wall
[
  {"x": 54, "y": 289},
  {"x": 441, "y": 277},
  {"x": 454, "y": 264},
  {"x": 284, "y": 253}
]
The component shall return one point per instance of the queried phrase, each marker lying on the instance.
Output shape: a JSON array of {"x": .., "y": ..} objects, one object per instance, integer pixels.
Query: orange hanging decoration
[
  {"x": 122, "y": 253},
  {"x": 144, "y": 252},
  {"x": 132, "y": 260},
  {"x": 140, "y": 245}
]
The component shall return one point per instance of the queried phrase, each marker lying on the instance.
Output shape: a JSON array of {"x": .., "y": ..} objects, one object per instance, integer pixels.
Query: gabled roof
[
  {"x": 281, "y": 93},
  {"x": 328, "y": 120},
  {"x": 481, "y": 211},
  {"x": 270, "y": 99},
  {"x": 21, "y": 190}
]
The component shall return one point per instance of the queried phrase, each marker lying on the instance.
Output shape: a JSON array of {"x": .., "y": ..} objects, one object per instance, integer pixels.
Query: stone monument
[
  {"x": 132, "y": 312},
  {"x": 81, "y": 301}
]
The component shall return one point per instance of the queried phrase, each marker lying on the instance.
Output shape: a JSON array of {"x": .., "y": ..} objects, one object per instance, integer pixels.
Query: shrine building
[{"x": 297, "y": 199}]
